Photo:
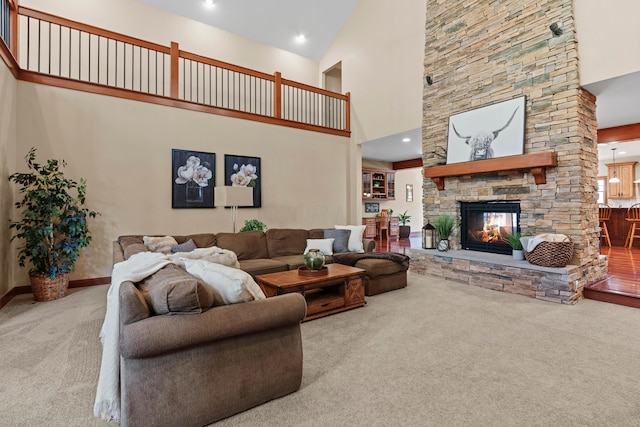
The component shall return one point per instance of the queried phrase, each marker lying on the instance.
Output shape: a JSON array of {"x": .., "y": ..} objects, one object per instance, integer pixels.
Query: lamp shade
[{"x": 233, "y": 196}]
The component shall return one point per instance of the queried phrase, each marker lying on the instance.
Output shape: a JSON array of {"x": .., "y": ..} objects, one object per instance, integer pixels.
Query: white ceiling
[
  {"x": 272, "y": 22},
  {"x": 278, "y": 22}
]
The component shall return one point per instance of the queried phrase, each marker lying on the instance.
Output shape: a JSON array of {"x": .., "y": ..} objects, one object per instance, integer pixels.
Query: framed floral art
[
  {"x": 193, "y": 179},
  {"x": 244, "y": 171}
]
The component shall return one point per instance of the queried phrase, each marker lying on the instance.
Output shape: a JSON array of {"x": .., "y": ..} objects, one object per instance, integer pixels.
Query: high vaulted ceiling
[{"x": 278, "y": 22}]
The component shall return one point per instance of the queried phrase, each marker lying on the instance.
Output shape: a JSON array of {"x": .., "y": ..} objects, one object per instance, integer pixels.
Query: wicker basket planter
[
  {"x": 46, "y": 289},
  {"x": 551, "y": 254}
]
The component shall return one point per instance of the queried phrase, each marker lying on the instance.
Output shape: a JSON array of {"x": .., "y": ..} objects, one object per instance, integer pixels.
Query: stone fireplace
[
  {"x": 484, "y": 225},
  {"x": 478, "y": 53}
]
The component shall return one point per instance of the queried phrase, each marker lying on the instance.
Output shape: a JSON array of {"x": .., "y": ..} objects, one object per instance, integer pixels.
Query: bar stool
[
  {"x": 633, "y": 217},
  {"x": 604, "y": 215},
  {"x": 383, "y": 225}
]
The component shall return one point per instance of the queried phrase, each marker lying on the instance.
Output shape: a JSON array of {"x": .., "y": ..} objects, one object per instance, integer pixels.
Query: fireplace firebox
[{"x": 485, "y": 225}]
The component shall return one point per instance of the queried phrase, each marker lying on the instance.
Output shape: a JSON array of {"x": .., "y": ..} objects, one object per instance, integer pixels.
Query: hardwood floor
[{"x": 621, "y": 286}]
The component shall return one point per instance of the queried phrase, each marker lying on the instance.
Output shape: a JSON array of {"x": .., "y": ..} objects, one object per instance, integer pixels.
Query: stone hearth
[{"x": 503, "y": 273}]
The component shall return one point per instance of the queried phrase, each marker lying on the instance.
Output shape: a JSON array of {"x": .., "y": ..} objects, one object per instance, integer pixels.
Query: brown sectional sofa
[{"x": 197, "y": 369}]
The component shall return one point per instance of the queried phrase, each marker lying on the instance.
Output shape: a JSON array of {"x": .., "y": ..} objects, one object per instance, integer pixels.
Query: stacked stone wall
[{"x": 481, "y": 52}]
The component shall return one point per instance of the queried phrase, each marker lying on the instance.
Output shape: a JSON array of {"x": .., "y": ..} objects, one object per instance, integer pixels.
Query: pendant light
[{"x": 614, "y": 179}]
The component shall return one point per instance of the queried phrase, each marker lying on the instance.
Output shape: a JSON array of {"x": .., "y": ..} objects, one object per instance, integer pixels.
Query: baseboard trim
[{"x": 82, "y": 283}]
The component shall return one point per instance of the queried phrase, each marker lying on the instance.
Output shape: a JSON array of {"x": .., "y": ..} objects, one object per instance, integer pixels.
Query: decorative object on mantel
[
  {"x": 444, "y": 227},
  {"x": 53, "y": 225},
  {"x": 428, "y": 236},
  {"x": 535, "y": 162},
  {"x": 548, "y": 250},
  {"x": 470, "y": 140},
  {"x": 516, "y": 245}
]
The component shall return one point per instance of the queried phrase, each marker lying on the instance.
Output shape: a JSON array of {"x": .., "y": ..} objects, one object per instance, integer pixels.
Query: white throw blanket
[
  {"x": 136, "y": 268},
  {"x": 530, "y": 243}
]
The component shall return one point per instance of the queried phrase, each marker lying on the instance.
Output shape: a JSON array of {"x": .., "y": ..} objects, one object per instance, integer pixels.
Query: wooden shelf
[{"x": 535, "y": 162}]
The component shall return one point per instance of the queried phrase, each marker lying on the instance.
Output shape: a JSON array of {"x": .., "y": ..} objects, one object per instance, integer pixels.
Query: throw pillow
[
  {"x": 323, "y": 245},
  {"x": 172, "y": 291},
  {"x": 229, "y": 285},
  {"x": 340, "y": 239},
  {"x": 187, "y": 246},
  {"x": 159, "y": 244},
  {"x": 355, "y": 239}
]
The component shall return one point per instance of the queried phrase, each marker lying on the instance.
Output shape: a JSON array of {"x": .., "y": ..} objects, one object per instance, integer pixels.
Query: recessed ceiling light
[
  {"x": 209, "y": 3},
  {"x": 622, "y": 152},
  {"x": 301, "y": 38},
  {"x": 406, "y": 139}
]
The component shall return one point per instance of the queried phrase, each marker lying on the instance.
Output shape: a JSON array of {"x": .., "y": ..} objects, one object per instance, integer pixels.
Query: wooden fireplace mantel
[{"x": 536, "y": 162}]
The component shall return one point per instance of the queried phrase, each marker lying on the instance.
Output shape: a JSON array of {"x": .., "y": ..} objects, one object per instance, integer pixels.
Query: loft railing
[{"x": 58, "y": 51}]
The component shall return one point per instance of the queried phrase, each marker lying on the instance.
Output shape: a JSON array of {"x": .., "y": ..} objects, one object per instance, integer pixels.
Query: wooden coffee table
[{"x": 339, "y": 290}]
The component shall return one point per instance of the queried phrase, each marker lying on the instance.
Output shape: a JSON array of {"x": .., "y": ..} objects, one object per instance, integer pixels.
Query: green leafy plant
[
  {"x": 54, "y": 221},
  {"x": 404, "y": 218},
  {"x": 514, "y": 241},
  {"x": 444, "y": 225},
  {"x": 253, "y": 225}
]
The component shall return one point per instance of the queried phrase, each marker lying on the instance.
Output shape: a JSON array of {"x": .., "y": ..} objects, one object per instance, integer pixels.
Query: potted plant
[
  {"x": 516, "y": 245},
  {"x": 253, "y": 225},
  {"x": 53, "y": 225},
  {"x": 444, "y": 225},
  {"x": 404, "y": 219}
]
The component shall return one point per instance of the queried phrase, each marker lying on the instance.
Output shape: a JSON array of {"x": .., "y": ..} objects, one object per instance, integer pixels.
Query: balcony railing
[{"x": 57, "y": 51}]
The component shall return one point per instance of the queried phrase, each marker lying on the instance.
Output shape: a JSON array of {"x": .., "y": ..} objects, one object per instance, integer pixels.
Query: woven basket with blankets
[{"x": 548, "y": 250}]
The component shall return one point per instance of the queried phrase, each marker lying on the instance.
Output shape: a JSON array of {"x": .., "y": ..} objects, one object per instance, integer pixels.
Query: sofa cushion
[
  {"x": 316, "y": 233},
  {"x": 379, "y": 267},
  {"x": 131, "y": 245},
  {"x": 340, "y": 239},
  {"x": 203, "y": 240},
  {"x": 283, "y": 242},
  {"x": 323, "y": 245},
  {"x": 160, "y": 244},
  {"x": 246, "y": 245},
  {"x": 293, "y": 262},
  {"x": 173, "y": 290},
  {"x": 229, "y": 285},
  {"x": 355, "y": 238},
  {"x": 187, "y": 246},
  {"x": 256, "y": 267}
]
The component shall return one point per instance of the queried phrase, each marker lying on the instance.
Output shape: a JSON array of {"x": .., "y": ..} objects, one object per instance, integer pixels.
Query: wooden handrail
[
  {"x": 314, "y": 89},
  {"x": 91, "y": 29},
  {"x": 534, "y": 161},
  {"x": 226, "y": 65},
  {"x": 174, "y": 79}
]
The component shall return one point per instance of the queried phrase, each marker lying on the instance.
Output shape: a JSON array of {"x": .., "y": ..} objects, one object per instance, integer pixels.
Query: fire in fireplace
[{"x": 485, "y": 225}]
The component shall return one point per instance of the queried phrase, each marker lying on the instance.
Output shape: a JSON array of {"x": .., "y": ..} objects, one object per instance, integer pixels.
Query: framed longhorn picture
[{"x": 495, "y": 130}]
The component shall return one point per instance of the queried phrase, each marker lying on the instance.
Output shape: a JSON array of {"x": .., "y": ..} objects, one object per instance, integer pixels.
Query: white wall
[
  {"x": 123, "y": 149},
  {"x": 139, "y": 20},
  {"x": 8, "y": 89},
  {"x": 381, "y": 47},
  {"x": 609, "y": 38}
]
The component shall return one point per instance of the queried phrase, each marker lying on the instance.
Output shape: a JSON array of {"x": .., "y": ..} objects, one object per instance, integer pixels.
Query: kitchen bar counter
[{"x": 618, "y": 227}]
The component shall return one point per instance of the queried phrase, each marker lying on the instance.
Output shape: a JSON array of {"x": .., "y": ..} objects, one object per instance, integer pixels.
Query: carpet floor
[{"x": 437, "y": 353}]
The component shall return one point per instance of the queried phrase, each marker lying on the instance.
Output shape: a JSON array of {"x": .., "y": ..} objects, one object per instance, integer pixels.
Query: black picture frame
[
  {"x": 492, "y": 131},
  {"x": 371, "y": 207},
  {"x": 244, "y": 171},
  {"x": 190, "y": 169}
]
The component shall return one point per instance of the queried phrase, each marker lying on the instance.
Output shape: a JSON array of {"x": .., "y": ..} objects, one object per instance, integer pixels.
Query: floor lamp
[{"x": 232, "y": 197}]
